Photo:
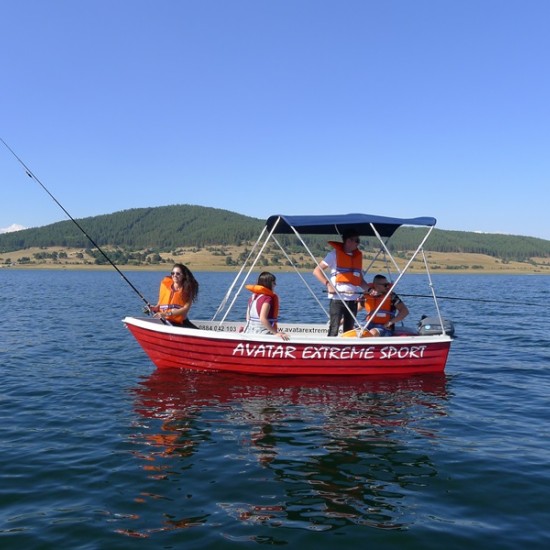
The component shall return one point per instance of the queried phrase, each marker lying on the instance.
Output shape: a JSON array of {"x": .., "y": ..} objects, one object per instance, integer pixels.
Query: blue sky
[{"x": 393, "y": 107}]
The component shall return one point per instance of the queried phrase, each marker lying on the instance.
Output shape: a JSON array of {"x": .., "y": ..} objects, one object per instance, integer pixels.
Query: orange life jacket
[
  {"x": 348, "y": 266},
  {"x": 171, "y": 299},
  {"x": 385, "y": 313},
  {"x": 253, "y": 313}
]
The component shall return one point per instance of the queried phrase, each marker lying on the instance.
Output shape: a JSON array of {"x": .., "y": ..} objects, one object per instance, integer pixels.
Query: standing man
[{"x": 345, "y": 283}]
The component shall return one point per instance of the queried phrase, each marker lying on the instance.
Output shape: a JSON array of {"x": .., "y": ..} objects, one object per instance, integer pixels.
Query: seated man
[{"x": 392, "y": 310}]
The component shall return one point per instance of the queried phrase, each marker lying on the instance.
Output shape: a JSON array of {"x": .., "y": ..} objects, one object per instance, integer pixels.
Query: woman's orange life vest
[
  {"x": 385, "y": 313},
  {"x": 171, "y": 299},
  {"x": 349, "y": 267},
  {"x": 274, "y": 313}
]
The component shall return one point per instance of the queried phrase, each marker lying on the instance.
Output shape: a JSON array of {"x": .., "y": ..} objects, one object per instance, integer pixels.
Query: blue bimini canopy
[{"x": 363, "y": 224}]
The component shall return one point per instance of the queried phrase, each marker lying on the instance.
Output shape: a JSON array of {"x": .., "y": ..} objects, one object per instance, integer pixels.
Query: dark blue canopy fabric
[{"x": 337, "y": 224}]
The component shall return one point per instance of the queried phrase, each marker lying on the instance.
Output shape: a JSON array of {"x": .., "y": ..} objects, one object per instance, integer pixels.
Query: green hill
[
  {"x": 162, "y": 228},
  {"x": 165, "y": 228}
]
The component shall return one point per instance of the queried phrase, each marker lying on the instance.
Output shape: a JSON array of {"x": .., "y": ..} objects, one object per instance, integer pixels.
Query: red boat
[{"x": 218, "y": 344}]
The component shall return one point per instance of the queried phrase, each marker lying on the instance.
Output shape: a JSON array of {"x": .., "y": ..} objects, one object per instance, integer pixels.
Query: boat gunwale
[{"x": 155, "y": 325}]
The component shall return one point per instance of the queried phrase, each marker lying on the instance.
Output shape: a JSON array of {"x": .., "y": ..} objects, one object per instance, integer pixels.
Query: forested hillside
[
  {"x": 167, "y": 227},
  {"x": 161, "y": 228}
]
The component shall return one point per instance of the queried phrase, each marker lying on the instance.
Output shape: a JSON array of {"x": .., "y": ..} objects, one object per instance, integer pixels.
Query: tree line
[{"x": 165, "y": 228}]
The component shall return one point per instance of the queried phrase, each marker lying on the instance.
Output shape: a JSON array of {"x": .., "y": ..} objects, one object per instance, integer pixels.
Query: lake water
[{"x": 101, "y": 450}]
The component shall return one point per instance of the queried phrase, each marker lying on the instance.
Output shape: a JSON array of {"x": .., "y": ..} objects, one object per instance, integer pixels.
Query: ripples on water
[{"x": 100, "y": 450}]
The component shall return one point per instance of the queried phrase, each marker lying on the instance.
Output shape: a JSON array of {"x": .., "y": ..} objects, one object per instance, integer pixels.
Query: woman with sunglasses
[{"x": 177, "y": 293}]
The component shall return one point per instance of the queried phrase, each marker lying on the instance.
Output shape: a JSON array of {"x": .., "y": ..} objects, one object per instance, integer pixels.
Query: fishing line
[
  {"x": 32, "y": 176},
  {"x": 451, "y": 298},
  {"x": 466, "y": 299}
]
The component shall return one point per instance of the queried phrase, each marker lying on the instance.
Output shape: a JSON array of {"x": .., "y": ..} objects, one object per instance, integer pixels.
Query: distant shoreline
[
  {"x": 59, "y": 258},
  {"x": 198, "y": 269}
]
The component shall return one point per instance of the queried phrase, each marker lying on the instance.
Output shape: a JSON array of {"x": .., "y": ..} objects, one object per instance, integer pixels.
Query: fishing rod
[{"x": 32, "y": 176}]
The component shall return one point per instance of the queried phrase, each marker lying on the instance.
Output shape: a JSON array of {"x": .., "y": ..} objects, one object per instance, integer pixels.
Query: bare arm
[
  {"x": 264, "y": 319},
  {"x": 402, "y": 312},
  {"x": 322, "y": 277},
  {"x": 182, "y": 310}
]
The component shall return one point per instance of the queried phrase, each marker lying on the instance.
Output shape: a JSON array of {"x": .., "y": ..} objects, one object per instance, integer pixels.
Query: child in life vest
[{"x": 263, "y": 307}]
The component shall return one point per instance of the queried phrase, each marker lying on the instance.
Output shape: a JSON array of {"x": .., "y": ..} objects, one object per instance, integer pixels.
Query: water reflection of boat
[
  {"x": 168, "y": 391},
  {"x": 350, "y": 451}
]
